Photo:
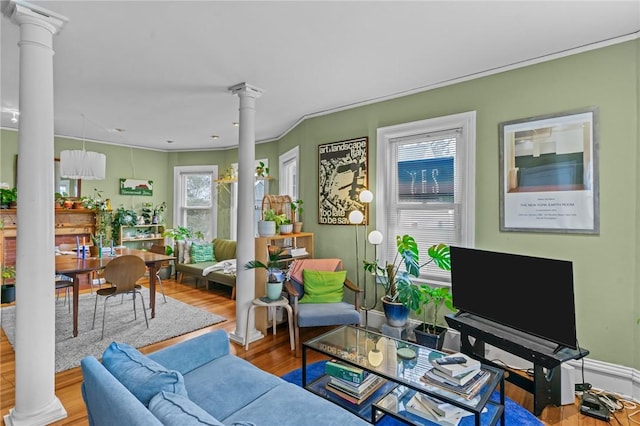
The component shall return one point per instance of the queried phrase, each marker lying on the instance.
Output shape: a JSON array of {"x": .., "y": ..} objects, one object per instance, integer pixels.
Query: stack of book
[
  {"x": 351, "y": 383},
  {"x": 464, "y": 379},
  {"x": 437, "y": 411}
]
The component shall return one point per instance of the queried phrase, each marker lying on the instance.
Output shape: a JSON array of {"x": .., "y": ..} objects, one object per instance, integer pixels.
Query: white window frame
[
  {"x": 465, "y": 159},
  {"x": 233, "y": 200},
  {"x": 178, "y": 195},
  {"x": 285, "y": 161}
]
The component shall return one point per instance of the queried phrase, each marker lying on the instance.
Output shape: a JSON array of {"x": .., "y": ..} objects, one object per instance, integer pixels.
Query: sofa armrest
[
  {"x": 193, "y": 353},
  {"x": 108, "y": 402}
]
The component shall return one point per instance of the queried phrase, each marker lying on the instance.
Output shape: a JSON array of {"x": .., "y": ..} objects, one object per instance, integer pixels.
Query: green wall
[
  {"x": 606, "y": 266},
  {"x": 607, "y": 288}
]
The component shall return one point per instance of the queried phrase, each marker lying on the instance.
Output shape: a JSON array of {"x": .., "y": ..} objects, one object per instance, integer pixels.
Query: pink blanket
[{"x": 314, "y": 265}]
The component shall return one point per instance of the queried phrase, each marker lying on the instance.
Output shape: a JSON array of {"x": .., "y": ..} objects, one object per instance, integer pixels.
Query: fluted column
[
  {"x": 36, "y": 402},
  {"x": 245, "y": 249}
]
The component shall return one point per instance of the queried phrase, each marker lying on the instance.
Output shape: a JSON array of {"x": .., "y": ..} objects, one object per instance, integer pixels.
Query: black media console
[{"x": 545, "y": 355}]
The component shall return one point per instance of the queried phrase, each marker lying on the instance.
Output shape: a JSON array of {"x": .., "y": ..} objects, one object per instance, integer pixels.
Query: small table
[
  {"x": 263, "y": 302},
  {"x": 402, "y": 364}
]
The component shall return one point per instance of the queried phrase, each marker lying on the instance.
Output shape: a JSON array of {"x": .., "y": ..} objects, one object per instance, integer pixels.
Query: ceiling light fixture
[
  {"x": 236, "y": 124},
  {"x": 14, "y": 119},
  {"x": 82, "y": 164},
  {"x": 214, "y": 137}
]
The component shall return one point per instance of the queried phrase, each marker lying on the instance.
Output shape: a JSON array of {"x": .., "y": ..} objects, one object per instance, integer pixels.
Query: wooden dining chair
[{"x": 122, "y": 273}]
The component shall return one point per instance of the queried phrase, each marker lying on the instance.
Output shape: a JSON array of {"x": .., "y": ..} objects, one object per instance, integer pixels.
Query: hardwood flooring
[{"x": 271, "y": 354}]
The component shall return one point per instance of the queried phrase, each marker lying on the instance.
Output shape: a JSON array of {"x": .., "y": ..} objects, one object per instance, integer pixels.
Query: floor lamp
[{"x": 356, "y": 217}]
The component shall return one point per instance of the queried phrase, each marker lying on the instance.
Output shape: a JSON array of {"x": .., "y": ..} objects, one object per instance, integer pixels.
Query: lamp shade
[
  {"x": 366, "y": 196},
  {"x": 356, "y": 217},
  {"x": 81, "y": 164},
  {"x": 375, "y": 237}
]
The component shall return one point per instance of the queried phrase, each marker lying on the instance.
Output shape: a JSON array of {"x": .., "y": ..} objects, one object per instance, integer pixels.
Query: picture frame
[
  {"x": 342, "y": 173},
  {"x": 549, "y": 173},
  {"x": 130, "y": 186}
]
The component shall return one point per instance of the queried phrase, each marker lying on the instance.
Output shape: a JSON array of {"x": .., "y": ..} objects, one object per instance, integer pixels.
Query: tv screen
[{"x": 530, "y": 294}]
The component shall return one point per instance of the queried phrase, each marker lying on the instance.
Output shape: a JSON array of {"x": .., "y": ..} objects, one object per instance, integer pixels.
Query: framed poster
[
  {"x": 136, "y": 187},
  {"x": 342, "y": 174},
  {"x": 549, "y": 173}
]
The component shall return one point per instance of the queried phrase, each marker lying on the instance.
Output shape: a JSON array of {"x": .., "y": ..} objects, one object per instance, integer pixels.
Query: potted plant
[
  {"x": 429, "y": 333},
  {"x": 270, "y": 225},
  {"x": 8, "y": 197},
  {"x": 121, "y": 217},
  {"x": 147, "y": 213},
  {"x": 401, "y": 294},
  {"x": 8, "y": 293},
  {"x": 157, "y": 213},
  {"x": 286, "y": 227},
  {"x": 262, "y": 171},
  {"x": 296, "y": 210},
  {"x": 94, "y": 202},
  {"x": 275, "y": 275}
]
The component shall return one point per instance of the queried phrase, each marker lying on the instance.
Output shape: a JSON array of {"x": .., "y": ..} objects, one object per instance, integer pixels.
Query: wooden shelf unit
[
  {"x": 152, "y": 235},
  {"x": 302, "y": 239}
]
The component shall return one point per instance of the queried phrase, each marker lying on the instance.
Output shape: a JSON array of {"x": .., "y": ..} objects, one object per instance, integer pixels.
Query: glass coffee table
[{"x": 402, "y": 365}]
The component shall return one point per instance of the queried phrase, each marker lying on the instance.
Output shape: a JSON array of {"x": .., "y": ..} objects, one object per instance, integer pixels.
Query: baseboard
[{"x": 617, "y": 379}]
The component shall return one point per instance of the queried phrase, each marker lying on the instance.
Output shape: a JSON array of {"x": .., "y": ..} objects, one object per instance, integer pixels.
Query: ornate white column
[
  {"x": 36, "y": 403},
  {"x": 245, "y": 249}
]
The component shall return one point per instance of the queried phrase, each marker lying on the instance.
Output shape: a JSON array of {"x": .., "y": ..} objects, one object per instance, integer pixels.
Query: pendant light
[{"x": 82, "y": 164}]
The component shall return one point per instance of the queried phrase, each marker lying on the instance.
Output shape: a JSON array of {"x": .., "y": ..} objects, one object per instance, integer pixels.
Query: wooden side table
[{"x": 271, "y": 305}]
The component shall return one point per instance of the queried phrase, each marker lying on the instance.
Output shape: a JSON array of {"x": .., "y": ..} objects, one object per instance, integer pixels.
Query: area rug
[
  {"x": 173, "y": 318},
  {"x": 514, "y": 413}
]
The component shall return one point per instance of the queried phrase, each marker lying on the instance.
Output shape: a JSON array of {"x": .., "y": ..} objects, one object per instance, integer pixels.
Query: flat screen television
[{"x": 531, "y": 294}]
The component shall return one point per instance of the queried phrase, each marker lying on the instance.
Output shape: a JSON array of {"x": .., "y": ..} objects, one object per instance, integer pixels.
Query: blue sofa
[{"x": 196, "y": 382}]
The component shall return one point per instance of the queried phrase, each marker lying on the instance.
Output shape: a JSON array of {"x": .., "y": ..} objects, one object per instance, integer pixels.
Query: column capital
[
  {"x": 22, "y": 12},
  {"x": 246, "y": 89}
]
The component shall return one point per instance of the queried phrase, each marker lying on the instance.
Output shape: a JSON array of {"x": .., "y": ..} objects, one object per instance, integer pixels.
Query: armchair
[{"x": 319, "y": 314}]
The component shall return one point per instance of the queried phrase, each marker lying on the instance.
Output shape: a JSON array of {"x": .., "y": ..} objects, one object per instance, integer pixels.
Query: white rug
[{"x": 173, "y": 318}]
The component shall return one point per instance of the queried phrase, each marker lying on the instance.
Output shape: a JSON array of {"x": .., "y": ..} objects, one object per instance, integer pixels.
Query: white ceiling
[{"x": 160, "y": 70}]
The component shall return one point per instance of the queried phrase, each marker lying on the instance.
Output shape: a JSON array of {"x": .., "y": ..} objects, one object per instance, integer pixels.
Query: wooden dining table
[{"x": 75, "y": 267}]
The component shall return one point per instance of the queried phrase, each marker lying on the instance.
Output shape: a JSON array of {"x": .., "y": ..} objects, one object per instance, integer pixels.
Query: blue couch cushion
[
  {"x": 175, "y": 409},
  {"x": 141, "y": 375},
  {"x": 301, "y": 408},
  {"x": 237, "y": 383}
]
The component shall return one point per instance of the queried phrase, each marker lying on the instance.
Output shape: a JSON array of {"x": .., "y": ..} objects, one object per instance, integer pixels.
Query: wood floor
[{"x": 271, "y": 354}]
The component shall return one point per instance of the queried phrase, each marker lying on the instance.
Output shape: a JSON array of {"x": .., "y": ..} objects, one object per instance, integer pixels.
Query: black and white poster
[{"x": 342, "y": 174}]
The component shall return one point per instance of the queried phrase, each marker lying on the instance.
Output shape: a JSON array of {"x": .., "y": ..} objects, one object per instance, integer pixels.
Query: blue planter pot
[
  {"x": 8, "y": 294},
  {"x": 396, "y": 313}
]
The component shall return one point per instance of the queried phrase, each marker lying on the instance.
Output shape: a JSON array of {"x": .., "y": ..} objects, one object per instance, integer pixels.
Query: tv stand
[{"x": 545, "y": 386}]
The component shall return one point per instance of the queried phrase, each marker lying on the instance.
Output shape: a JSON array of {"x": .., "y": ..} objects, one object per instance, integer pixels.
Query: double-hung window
[
  {"x": 195, "y": 205},
  {"x": 425, "y": 186}
]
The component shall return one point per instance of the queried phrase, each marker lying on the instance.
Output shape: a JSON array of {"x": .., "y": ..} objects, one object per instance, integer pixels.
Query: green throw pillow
[
  {"x": 323, "y": 286},
  {"x": 201, "y": 252}
]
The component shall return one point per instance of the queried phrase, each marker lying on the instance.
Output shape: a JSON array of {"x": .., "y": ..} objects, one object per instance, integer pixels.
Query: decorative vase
[
  {"x": 286, "y": 228},
  {"x": 94, "y": 251},
  {"x": 297, "y": 227},
  {"x": 428, "y": 339},
  {"x": 266, "y": 228},
  {"x": 274, "y": 290},
  {"x": 396, "y": 313}
]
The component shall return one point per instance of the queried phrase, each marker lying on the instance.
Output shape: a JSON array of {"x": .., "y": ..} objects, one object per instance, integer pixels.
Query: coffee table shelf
[{"x": 402, "y": 364}]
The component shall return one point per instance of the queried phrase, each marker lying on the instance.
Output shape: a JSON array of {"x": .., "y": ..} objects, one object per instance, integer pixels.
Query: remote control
[{"x": 451, "y": 360}]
